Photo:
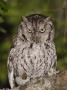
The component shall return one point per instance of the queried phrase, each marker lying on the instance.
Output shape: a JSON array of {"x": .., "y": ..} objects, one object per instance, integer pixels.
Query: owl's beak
[{"x": 36, "y": 38}]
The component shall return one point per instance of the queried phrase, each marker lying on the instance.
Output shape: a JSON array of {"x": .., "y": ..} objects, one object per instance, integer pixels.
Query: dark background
[{"x": 10, "y": 16}]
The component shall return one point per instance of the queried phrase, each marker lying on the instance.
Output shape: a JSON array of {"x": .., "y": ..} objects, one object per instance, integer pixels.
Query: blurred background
[{"x": 10, "y": 17}]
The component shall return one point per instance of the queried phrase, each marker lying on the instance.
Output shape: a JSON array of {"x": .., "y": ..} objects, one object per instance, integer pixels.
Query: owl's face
[{"x": 37, "y": 29}]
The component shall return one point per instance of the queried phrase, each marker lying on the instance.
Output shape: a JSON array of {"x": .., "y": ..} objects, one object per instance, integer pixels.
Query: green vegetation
[{"x": 10, "y": 16}]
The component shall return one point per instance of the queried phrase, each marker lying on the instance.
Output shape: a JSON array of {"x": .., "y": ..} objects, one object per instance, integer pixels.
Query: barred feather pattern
[{"x": 31, "y": 56}]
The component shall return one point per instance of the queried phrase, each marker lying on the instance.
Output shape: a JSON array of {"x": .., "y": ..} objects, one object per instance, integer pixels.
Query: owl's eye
[
  {"x": 29, "y": 30},
  {"x": 42, "y": 30}
]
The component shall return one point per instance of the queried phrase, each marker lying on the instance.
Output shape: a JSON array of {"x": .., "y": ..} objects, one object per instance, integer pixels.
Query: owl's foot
[
  {"x": 20, "y": 81},
  {"x": 52, "y": 72}
]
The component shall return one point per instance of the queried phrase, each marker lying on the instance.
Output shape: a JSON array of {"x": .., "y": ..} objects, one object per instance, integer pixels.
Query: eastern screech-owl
[{"x": 33, "y": 53}]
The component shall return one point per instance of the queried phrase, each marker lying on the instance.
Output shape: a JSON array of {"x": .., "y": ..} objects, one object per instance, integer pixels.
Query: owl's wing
[
  {"x": 53, "y": 61},
  {"x": 54, "y": 56},
  {"x": 11, "y": 69}
]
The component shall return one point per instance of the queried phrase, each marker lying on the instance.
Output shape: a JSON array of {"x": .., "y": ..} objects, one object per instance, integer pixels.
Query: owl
[{"x": 33, "y": 53}]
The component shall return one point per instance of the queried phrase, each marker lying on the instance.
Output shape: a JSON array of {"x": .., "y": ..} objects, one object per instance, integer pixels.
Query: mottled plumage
[{"x": 33, "y": 54}]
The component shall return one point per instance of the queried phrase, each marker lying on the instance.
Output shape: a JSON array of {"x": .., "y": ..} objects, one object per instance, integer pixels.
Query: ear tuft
[
  {"x": 24, "y": 19},
  {"x": 48, "y": 19}
]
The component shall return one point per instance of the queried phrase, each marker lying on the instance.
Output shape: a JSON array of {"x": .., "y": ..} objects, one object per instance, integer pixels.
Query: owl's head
[{"x": 36, "y": 29}]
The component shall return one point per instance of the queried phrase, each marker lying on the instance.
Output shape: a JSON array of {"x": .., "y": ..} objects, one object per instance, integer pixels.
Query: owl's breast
[
  {"x": 35, "y": 53},
  {"x": 34, "y": 59}
]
